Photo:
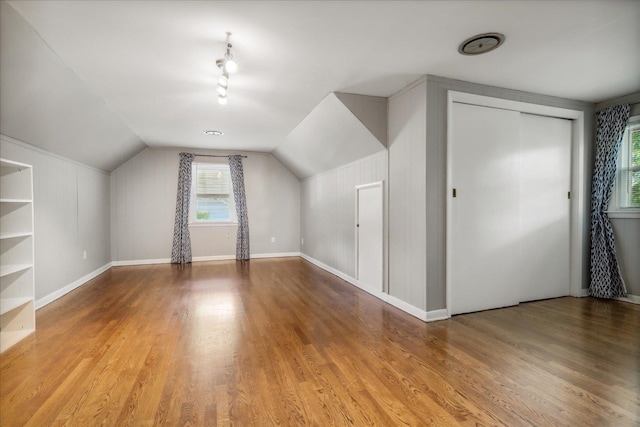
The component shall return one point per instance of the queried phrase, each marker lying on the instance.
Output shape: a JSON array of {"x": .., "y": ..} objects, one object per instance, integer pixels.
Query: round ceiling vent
[{"x": 482, "y": 43}]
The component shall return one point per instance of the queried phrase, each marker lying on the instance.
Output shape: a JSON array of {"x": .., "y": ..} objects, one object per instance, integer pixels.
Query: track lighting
[{"x": 228, "y": 66}]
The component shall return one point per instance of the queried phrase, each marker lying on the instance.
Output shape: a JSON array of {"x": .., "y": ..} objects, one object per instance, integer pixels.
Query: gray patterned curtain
[
  {"x": 606, "y": 280},
  {"x": 181, "y": 251},
  {"x": 237, "y": 179}
]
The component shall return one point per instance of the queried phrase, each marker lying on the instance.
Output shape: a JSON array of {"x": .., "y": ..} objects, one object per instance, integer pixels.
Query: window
[
  {"x": 626, "y": 195},
  {"x": 211, "y": 194}
]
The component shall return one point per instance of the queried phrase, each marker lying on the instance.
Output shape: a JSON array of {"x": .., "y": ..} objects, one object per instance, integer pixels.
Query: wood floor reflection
[{"x": 282, "y": 342}]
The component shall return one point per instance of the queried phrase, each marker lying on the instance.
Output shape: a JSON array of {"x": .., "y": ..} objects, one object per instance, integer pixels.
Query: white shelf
[
  {"x": 17, "y": 306},
  {"x": 4, "y": 236},
  {"x": 8, "y": 304},
  {"x": 6, "y": 270},
  {"x": 11, "y": 164},
  {"x": 9, "y": 338},
  {"x": 15, "y": 200}
]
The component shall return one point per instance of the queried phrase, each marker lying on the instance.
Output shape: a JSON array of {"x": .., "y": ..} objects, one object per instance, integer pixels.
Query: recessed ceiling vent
[{"x": 482, "y": 43}]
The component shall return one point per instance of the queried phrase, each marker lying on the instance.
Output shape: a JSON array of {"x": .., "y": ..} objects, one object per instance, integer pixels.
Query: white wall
[
  {"x": 71, "y": 205},
  {"x": 143, "y": 198},
  {"x": 407, "y": 195},
  {"x": 327, "y": 211}
]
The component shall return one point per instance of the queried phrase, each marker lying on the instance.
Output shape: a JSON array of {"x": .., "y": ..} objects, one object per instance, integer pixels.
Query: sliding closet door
[
  {"x": 545, "y": 181},
  {"x": 484, "y": 231}
]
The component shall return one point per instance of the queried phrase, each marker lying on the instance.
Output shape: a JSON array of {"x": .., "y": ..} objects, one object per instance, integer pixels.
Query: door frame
[
  {"x": 357, "y": 230},
  {"x": 577, "y": 211}
]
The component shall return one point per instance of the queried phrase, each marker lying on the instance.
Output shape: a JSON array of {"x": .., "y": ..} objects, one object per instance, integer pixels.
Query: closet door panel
[
  {"x": 545, "y": 181},
  {"x": 484, "y": 234}
]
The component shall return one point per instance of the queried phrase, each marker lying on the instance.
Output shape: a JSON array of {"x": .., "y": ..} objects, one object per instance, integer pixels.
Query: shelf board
[
  {"x": 13, "y": 165},
  {"x": 15, "y": 200},
  {"x": 15, "y": 235},
  {"x": 8, "y": 304},
  {"x": 6, "y": 270},
  {"x": 9, "y": 338}
]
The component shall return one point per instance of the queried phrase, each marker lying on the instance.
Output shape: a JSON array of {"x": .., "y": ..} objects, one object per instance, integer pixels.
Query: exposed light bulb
[
  {"x": 222, "y": 90},
  {"x": 222, "y": 100},
  {"x": 223, "y": 80},
  {"x": 231, "y": 66}
]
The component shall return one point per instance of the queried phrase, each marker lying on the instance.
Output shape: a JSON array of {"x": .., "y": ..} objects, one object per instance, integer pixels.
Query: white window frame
[
  {"x": 193, "y": 221},
  {"x": 617, "y": 208}
]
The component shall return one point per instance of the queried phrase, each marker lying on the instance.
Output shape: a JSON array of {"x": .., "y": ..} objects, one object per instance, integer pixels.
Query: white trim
[
  {"x": 629, "y": 214},
  {"x": 275, "y": 255},
  {"x": 633, "y": 299},
  {"x": 441, "y": 314},
  {"x": 49, "y": 153},
  {"x": 577, "y": 214},
  {"x": 48, "y": 299},
  {"x": 389, "y": 299},
  {"x": 202, "y": 258},
  {"x": 141, "y": 262},
  {"x": 583, "y": 293}
]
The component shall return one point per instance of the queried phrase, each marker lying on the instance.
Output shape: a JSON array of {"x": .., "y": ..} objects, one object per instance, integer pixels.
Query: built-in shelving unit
[{"x": 17, "y": 292}]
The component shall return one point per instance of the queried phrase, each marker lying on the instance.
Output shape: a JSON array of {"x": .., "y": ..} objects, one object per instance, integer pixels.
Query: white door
[
  {"x": 509, "y": 232},
  {"x": 483, "y": 234},
  {"x": 545, "y": 181},
  {"x": 369, "y": 235}
]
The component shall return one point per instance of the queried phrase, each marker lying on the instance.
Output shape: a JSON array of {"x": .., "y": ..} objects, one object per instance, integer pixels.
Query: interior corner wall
[
  {"x": 71, "y": 215},
  {"x": 143, "y": 201},
  {"x": 437, "y": 88},
  {"x": 408, "y": 261},
  {"x": 327, "y": 211}
]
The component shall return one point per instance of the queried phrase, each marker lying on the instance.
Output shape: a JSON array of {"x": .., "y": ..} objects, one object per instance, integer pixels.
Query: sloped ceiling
[
  {"x": 147, "y": 68},
  {"x": 44, "y": 103},
  {"x": 341, "y": 129}
]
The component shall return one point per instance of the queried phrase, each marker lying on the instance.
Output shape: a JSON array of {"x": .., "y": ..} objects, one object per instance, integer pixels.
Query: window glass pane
[
  {"x": 212, "y": 193},
  {"x": 212, "y": 208},
  {"x": 634, "y": 189},
  {"x": 635, "y": 148}
]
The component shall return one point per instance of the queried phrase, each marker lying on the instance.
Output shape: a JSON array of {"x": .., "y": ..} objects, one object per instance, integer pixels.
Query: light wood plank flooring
[{"x": 281, "y": 342}]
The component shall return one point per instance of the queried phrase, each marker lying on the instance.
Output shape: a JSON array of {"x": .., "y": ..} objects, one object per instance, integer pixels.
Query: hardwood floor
[{"x": 281, "y": 342}]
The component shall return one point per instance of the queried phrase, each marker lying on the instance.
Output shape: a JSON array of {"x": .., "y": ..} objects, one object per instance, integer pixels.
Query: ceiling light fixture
[
  {"x": 482, "y": 43},
  {"x": 228, "y": 66},
  {"x": 214, "y": 132}
]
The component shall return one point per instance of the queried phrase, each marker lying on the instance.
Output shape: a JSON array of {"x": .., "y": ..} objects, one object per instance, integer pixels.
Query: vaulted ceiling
[{"x": 146, "y": 69}]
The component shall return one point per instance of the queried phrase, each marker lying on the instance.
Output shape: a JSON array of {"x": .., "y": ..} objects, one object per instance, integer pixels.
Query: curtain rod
[{"x": 213, "y": 155}]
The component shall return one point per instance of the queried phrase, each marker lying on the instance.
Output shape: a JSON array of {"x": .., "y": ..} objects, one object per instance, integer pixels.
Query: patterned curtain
[
  {"x": 237, "y": 178},
  {"x": 606, "y": 280},
  {"x": 181, "y": 251}
]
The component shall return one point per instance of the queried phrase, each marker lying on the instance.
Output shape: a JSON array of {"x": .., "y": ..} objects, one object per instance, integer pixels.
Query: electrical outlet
[
  {"x": 273, "y": 240},
  {"x": 84, "y": 255}
]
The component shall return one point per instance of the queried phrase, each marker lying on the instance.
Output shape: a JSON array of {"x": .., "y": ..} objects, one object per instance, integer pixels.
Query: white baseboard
[
  {"x": 426, "y": 316},
  {"x": 441, "y": 314},
  {"x": 141, "y": 262},
  {"x": 202, "y": 258},
  {"x": 76, "y": 284},
  {"x": 633, "y": 299},
  {"x": 275, "y": 255}
]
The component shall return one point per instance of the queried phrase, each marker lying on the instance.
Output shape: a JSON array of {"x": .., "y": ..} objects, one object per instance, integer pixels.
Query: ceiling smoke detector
[{"x": 482, "y": 43}]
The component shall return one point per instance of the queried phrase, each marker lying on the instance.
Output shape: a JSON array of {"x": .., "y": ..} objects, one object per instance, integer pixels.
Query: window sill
[
  {"x": 626, "y": 214},
  {"x": 213, "y": 224}
]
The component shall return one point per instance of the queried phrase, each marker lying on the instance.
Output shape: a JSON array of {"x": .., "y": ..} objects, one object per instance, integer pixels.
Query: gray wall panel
[
  {"x": 143, "y": 203},
  {"x": 71, "y": 206},
  {"x": 327, "y": 211}
]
